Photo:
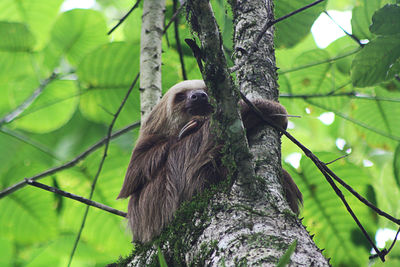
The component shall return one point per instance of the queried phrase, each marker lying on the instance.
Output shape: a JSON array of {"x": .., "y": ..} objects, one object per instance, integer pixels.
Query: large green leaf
[
  {"x": 373, "y": 63},
  {"x": 362, "y": 18},
  {"x": 7, "y": 252},
  {"x": 292, "y": 30},
  {"x": 18, "y": 76},
  {"x": 28, "y": 216},
  {"x": 106, "y": 75},
  {"x": 74, "y": 34},
  {"x": 58, "y": 251},
  {"x": 52, "y": 109},
  {"x": 16, "y": 37},
  {"x": 39, "y": 15},
  {"x": 312, "y": 68},
  {"x": 386, "y": 20}
]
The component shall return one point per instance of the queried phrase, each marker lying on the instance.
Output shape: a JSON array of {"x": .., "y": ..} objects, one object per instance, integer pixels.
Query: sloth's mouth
[{"x": 202, "y": 109}]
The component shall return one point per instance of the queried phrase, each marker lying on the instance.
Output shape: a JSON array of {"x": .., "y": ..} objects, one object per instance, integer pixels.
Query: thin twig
[
  {"x": 76, "y": 197},
  {"x": 269, "y": 24},
  {"x": 196, "y": 52},
  {"x": 359, "y": 123},
  {"x": 345, "y": 32},
  {"x": 394, "y": 240},
  {"x": 69, "y": 164},
  {"x": 24, "y": 105},
  {"x": 264, "y": 29},
  {"x": 124, "y": 17},
  {"x": 330, "y": 162},
  {"x": 329, "y": 60},
  {"x": 386, "y": 251},
  {"x": 178, "y": 41},
  {"x": 107, "y": 142},
  {"x": 174, "y": 16}
]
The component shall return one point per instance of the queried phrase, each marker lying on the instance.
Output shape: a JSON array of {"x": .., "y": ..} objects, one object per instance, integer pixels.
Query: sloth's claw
[{"x": 188, "y": 128}]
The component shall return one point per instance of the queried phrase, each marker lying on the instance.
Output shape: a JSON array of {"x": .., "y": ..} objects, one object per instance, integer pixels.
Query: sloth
[{"x": 176, "y": 156}]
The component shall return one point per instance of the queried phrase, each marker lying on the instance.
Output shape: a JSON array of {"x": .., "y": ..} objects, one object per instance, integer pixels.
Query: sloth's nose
[{"x": 199, "y": 96}]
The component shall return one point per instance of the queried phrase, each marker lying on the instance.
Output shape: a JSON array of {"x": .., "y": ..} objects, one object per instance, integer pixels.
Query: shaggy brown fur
[{"x": 176, "y": 157}]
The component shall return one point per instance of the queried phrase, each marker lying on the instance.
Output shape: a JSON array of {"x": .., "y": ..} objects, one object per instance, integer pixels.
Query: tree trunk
[
  {"x": 233, "y": 227},
  {"x": 150, "y": 54}
]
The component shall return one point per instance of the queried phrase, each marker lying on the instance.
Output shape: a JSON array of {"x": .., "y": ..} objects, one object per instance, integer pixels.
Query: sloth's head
[{"x": 183, "y": 102}]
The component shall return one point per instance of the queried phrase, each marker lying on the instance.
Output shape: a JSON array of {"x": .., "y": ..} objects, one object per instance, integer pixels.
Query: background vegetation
[{"x": 76, "y": 77}]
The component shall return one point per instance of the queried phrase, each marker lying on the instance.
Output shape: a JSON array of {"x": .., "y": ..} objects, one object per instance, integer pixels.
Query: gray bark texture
[
  {"x": 250, "y": 223},
  {"x": 150, "y": 54}
]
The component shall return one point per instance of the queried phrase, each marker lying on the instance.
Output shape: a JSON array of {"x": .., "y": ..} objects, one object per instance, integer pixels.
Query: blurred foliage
[{"x": 357, "y": 86}]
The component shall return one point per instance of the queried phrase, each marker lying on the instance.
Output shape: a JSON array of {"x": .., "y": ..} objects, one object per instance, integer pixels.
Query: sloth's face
[{"x": 195, "y": 102}]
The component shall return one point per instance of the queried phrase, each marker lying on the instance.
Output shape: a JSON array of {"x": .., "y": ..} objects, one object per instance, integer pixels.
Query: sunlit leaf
[
  {"x": 372, "y": 64},
  {"x": 362, "y": 18},
  {"x": 74, "y": 34},
  {"x": 28, "y": 216},
  {"x": 290, "y": 31},
  {"x": 15, "y": 37},
  {"x": 107, "y": 74},
  {"x": 52, "y": 109},
  {"x": 38, "y": 15}
]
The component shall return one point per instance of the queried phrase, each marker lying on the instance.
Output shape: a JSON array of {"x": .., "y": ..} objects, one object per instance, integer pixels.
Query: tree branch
[
  {"x": 229, "y": 130},
  {"x": 24, "y": 105},
  {"x": 345, "y": 32},
  {"x": 124, "y": 17},
  {"x": 174, "y": 16},
  {"x": 177, "y": 39},
  {"x": 268, "y": 24},
  {"x": 69, "y": 164},
  {"x": 76, "y": 197}
]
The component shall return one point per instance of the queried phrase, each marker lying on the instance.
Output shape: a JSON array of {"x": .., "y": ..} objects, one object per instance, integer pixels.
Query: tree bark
[
  {"x": 150, "y": 54},
  {"x": 248, "y": 225}
]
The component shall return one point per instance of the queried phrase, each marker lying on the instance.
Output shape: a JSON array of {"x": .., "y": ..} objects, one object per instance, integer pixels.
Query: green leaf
[
  {"x": 362, "y": 18},
  {"x": 386, "y": 21},
  {"x": 74, "y": 34},
  {"x": 372, "y": 64},
  {"x": 396, "y": 165},
  {"x": 345, "y": 49},
  {"x": 57, "y": 253},
  {"x": 52, "y": 109},
  {"x": 285, "y": 259},
  {"x": 291, "y": 31},
  {"x": 106, "y": 75},
  {"x": 7, "y": 252},
  {"x": 28, "y": 216},
  {"x": 15, "y": 37},
  {"x": 313, "y": 67},
  {"x": 38, "y": 15},
  {"x": 161, "y": 258}
]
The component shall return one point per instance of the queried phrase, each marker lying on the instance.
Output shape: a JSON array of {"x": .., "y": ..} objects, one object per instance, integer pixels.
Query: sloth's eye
[{"x": 179, "y": 97}]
